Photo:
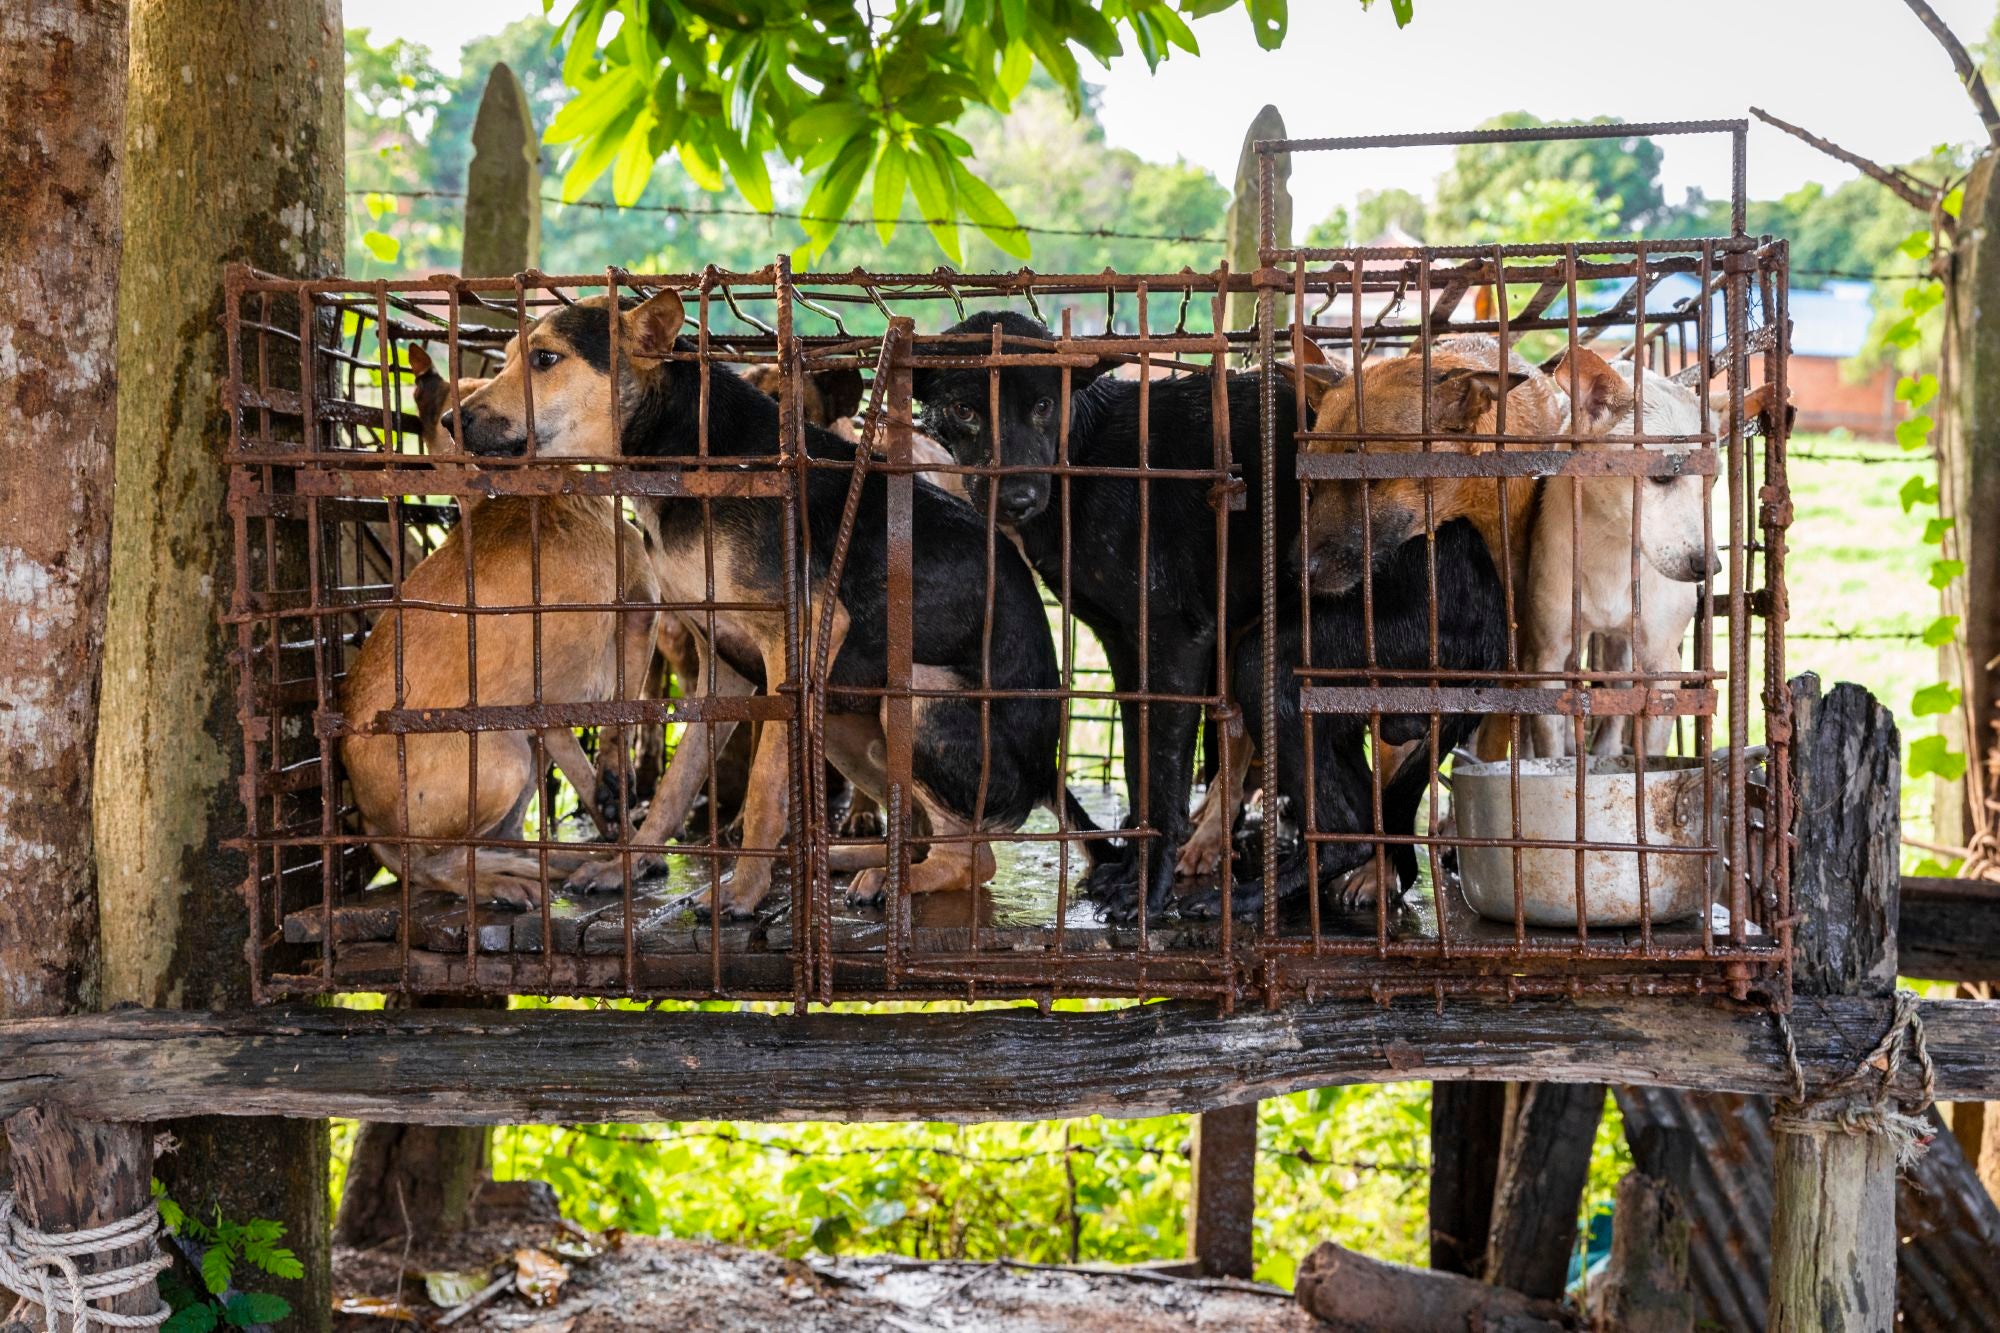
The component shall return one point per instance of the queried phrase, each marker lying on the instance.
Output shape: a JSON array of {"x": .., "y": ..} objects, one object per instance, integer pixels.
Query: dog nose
[
  {"x": 446, "y": 423},
  {"x": 1714, "y": 564},
  {"x": 1014, "y": 508}
]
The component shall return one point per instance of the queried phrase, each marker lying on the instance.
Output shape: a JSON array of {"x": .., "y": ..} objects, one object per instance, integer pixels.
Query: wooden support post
[
  {"x": 1222, "y": 1204},
  {"x": 1833, "y": 1235},
  {"x": 1468, "y": 1127},
  {"x": 426, "y": 1179},
  {"x": 1244, "y": 227},
  {"x": 1543, "y": 1167},
  {"x": 1976, "y": 1125},
  {"x": 73, "y": 1175}
]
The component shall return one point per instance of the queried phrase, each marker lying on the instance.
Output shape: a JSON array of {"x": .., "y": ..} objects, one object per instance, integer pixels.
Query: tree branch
[
  {"x": 1962, "y": 63},
  {"x": 1917, "y": 193}
]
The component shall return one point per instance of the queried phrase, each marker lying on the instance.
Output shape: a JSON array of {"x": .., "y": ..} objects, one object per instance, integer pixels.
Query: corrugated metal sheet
[{"x": 1948, "y": 1267}]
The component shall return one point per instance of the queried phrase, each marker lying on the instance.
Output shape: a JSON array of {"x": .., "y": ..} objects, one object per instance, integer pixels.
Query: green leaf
[
  {"x": 634, "y": 167},
  {"x": 1941, "y": 631},
  {"x": 1268, "y": 19},
  {"x": 885, "y": 1212},
  {"x": 1944, "y": 571},
  {"x": 1919, "y": 489},
  {"x": 1935, "y": 529},
  {"x": 1917, "y": 245},
  {"x": 1932, "y": 756},
  {"x": 1903, "y": 334},
  {"x": 827, "y": 202},
  {"x": 282, "y": 1263},
  {"x": 256, "y": 1307},
  {"x": 937, "y": 198},
  {"x": 1405, "y": 10},
  {"x": 596, "y": 105},
  {"x": 747, "y": 169},
  {"x": 988, "y": 211},
  {"x": 215, "y": 1269},
  {"x": 1017, "y": 65},
  {"x": 1916, "y": 390},
  {"x": 1934, "y": 699},
  {"x": 891, "y": 181},
  {"x": 1954, "y": 201},
  {"x": 598, "y": 152},
  {"x": 1914, "y": 433},
  {"x": 381, "y": 245},
  {"x": 700, "y": 164},
  {"x": 193, "y": 1319}
]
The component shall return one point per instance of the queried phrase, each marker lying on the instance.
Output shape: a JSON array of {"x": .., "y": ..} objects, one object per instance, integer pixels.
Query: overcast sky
[{"x": 1861, "y": 72}]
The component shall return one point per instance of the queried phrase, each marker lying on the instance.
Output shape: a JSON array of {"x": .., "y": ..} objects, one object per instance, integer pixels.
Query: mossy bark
[{"x": 234, "y": 142}]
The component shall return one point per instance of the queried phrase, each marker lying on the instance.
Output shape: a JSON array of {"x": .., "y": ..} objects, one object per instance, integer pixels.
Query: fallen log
[{"x": 1352, "y": 1291}]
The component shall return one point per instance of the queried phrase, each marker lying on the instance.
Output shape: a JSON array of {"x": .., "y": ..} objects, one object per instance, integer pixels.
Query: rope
[
  {"x": 1832, "y": 1110},
  {"x": 42, "y": 1267}
]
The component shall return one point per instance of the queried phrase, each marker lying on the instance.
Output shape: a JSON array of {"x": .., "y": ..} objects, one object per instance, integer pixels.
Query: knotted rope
[
  {"x": 41, "y": 1267},
  {"x": 1833, "y": 1110}
]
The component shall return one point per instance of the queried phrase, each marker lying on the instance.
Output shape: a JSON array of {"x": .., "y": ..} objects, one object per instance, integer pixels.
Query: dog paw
[
  {"x": 608, "y": 875},
  {"x": 1356, "y": 890},
  {"x": 862, "y": 820},
  {"x": 1203, "y": 853},
  {"x": 513, "y": 895},
  {"x": 869, "y": 887}
]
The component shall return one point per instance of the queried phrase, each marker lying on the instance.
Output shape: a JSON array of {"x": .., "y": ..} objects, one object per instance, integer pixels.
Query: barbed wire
[
  {"x": 725, "y": 211},
  {"x": 1854, "y": 635},
  {"x": 791, "y": 1149}
]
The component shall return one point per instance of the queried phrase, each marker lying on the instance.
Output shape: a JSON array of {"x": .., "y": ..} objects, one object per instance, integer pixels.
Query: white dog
[{"x": 1672, "y": 538}]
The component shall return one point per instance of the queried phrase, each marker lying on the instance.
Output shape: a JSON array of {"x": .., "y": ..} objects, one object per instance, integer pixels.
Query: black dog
[
  {"x": 567, "y": 353},
  {"x": 1103, "y": 522},
  {"x": 1472, "y": 636}
]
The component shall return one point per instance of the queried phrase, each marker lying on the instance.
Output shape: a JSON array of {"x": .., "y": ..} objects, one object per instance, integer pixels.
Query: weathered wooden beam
[
  {"x": 1353, "y": 1291},
  {"x": 1648, "y": 1285},
  {"x": 1543, "y": 1168},
  {"x": 549, "y": 1066},
  {"x": 1833, "y": 1234},
  {"x": 1949, "y": 930},
  {"x": 1222, "y": 1198},
  {"x": 1468, "y": 1128}
]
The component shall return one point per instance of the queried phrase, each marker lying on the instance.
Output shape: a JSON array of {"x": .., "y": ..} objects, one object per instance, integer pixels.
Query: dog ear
[
  {"x": 651, "y": 327},
  {"x": 1319, "y": 372},
  {"x": 1463, "y": 394},
  {"x": 420, "y": 361},
  {"x": 1602, "y": 395},
  {"x": 841, "y": 391}
]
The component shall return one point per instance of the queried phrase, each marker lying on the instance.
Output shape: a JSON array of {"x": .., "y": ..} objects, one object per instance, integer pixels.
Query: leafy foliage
[
  {"x": 1624, "y": 174},
  {"x": 223, "y": 1246},
  {"x": 847, "y": 93}
]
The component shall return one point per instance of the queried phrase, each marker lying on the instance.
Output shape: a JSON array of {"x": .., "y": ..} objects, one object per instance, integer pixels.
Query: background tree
[{"x": 1623, "y": 173}]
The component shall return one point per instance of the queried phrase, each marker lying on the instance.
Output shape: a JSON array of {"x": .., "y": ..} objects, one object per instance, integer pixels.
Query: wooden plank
[
  {"x": 1543, "y": 1167},
  {"x": 1222, "y": 1196},
  {"x": 549, "y": 1066},
  {"x": 1833, "y": 1234}
]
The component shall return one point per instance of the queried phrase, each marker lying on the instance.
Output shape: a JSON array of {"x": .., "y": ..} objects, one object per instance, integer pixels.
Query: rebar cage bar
[{"x": 416, "y": 815}]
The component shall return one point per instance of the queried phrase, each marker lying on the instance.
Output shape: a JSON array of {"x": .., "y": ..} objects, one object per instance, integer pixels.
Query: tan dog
[{"x": 578, "y": 539}]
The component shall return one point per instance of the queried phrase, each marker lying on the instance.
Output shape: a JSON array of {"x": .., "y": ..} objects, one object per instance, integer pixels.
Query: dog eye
[
  {"x": 1665, "y": 480},
  {"x": 1044, "y": 406},
  {"x": 542, "y": 358},
  {"x": 963, "y": 412}
]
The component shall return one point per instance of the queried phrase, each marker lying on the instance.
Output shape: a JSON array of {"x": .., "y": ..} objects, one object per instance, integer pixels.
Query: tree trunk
[
  {"x": 63, "y": 123},
  {"x": 1969, "y": 485},
  {"x": 62, "y": 70},
  {"x": 235, "y": 147},
  {"x": 1222, "y": 1195},
  {"x": 420, "y": 1180},
  {"x": 1648, "y": 1285}
]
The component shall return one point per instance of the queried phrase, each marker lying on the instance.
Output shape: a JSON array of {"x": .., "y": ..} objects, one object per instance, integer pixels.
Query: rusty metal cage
[{"x": 418, "y": 822}]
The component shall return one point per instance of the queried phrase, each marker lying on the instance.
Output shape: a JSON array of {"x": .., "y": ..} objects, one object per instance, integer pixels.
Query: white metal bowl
[{"x": 1677, "y": 885}]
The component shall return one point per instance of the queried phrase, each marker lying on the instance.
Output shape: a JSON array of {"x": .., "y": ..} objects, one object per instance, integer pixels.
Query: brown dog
[{"x": 578, "y": 540}]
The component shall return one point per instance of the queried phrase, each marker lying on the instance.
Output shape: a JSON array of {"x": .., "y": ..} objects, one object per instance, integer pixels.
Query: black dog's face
[{"x": 969, "y": 410}]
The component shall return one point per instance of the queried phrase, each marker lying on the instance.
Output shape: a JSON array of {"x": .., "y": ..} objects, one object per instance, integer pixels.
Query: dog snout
[
  {"x": 485, "y": 434},
  {"x": 1018, "y": 504}
]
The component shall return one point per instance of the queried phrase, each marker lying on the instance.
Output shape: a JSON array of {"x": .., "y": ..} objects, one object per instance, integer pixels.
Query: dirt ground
[{"x": 631, "y": 1283}]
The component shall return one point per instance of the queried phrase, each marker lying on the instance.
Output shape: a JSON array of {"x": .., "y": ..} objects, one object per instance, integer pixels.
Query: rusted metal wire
[{"x": 335, "y": 501}]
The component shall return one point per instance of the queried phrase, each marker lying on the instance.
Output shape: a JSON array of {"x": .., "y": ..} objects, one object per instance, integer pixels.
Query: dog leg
[
  {"x": 1207, "y": 848},
  {"x": 576, "y": 768},
  {"x": 678, "y": 787},
  {"x": 946, "y": 866}
]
